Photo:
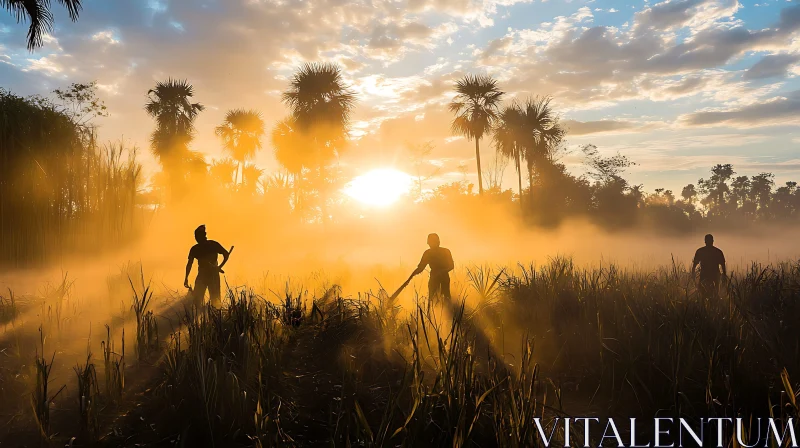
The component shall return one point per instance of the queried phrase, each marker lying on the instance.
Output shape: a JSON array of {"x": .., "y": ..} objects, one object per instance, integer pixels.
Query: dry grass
[{"x": 547, "y": 342}]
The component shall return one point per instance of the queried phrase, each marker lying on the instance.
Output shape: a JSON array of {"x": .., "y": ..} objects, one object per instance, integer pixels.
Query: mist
[{"x": 370, "y": 247}]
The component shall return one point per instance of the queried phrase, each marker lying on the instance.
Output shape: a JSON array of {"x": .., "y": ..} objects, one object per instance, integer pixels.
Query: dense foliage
[{"x": 60, "y": 191}]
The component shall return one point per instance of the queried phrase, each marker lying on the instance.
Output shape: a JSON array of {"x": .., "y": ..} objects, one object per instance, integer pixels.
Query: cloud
[
  {"x": 778, "y": 110},
  {"x": 772, "y": 66},
  {"x": 596, "y": 127},
  {"x": 480, "y": 11},
  {"x": 397, "y": 57},
  {"x": 493, "y": 47},
  {"x": 392, "y": 35},
  {"x": 670, "y": 15},
  {"x": 672, "y": 50}
]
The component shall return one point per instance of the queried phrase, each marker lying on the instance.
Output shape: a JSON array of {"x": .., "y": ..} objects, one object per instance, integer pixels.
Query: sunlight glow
[{"x": 380, "y": 187}]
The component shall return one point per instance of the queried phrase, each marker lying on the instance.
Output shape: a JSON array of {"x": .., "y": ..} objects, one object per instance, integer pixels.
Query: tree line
[{"x": 57, "y": 181}]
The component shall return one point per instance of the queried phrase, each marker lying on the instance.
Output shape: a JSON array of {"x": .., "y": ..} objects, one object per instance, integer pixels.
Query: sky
[{"x": 676, "y": 86}]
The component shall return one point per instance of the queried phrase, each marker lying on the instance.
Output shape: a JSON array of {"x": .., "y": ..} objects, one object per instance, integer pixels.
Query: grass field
[{"x": 338, "y": 368}]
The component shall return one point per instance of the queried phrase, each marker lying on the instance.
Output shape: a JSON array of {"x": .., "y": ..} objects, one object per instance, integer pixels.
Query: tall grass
[
  {"x": 113, "y": 367},
  {"x": 87, "y": 398},
  {"x": 146, "y": 324},
  {"x": 41, "y": 398},
  {"x": 543, "y": 342},
  {"x": 59, "y": 190}
]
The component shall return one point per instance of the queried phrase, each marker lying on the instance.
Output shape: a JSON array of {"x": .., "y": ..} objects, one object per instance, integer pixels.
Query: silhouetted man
[
  {"x": 710, "y": 260},
  {"x": 205, "y": 252},
  {"x": 441, "y": 262}
]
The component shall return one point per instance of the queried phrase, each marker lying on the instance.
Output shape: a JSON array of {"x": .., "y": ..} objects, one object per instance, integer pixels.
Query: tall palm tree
[
  {"x": 321, "y": 105},
  {"x": 241, "y": 134},
  {"x": 170, "y": 104},
  {"x": 508, "y": 136},
  {"x": 542, "y": 132},
  {"x": 292, "y": 150},
  {"x": 37, "y": 12},
  {"x": 475, "y": 107}
]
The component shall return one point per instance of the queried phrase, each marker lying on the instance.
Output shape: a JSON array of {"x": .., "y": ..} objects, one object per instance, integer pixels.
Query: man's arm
[
  {"x": 423, "y": 263},
  {"x": 724, "y": 270},
  {"x": 450, "y": 264},
  {"x": 188, "y": 270}
]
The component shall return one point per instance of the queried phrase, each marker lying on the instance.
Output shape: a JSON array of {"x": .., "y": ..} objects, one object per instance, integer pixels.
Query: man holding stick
[
  {"x": 441, "y": 262},
  {"x": 206, "y": 252}
]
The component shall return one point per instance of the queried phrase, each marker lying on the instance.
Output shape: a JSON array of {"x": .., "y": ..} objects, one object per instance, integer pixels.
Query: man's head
[
  {"x": 709, "y": 240},
  {"x": 200, "y": 234},
  {"x": 433, "y": 240}
]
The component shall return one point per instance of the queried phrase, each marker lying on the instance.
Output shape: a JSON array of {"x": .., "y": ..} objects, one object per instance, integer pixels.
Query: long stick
[
  {"x": 401, "y": 288},
  {"x": 229, "y": 254}
]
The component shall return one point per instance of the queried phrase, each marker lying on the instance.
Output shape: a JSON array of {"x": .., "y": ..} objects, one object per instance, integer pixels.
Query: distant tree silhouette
[
  {"x": 786, "y": 201},
  {"x": 321, "y": 105},
  {"x": 615, "y": 201},
  {"x": 80, "y": 102},
  {"x": 170, "y": 104},
  {"x": 278, "y": 192},
  {"x": 760, "y": 193},
  {"x": 689, "y": 194},
  {"x": 542, "y": 133},
  {"x": 223, "y": 172},
  {"x": 716, "y": 188},
  {"x": 475, "y": 107},
  {"x": 739, "y": 197},
  {"x": 38, "y": 13},
  {"x": 241, "y": 134},
  {"x": 508, "y": 138},
  {"x": 293, "y": 151},
  {"x": 251, "y": 176}
]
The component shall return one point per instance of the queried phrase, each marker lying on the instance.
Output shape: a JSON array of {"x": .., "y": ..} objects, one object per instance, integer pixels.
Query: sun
[{"x": 380, "y": 187}]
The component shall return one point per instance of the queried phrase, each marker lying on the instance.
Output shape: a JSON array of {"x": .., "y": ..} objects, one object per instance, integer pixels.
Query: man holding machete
[
  {"x": 206, "y": 252},
  {"x": 441, "y": 262}
]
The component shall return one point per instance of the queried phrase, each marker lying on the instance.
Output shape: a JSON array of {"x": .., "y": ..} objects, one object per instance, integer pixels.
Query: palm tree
[
  {"x": 541, "y": 133},
  {"x": 321, "y": 106},
  {"x": 223, "y": 171},
  {"x": 241, "y": 134},
  {"x": 508, "y": 132},
  {"x": 39, "y": 15},
  {"x": 251, "y": 175},
  {"x": 291, "y": 151},
  {"x": 169, "y": 103},
  {"x": 475, "y": 107}
]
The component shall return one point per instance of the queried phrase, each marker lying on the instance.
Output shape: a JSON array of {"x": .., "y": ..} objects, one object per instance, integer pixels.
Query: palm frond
[
  {"x": 317, "y": 94},
  {"x": 38, "y": 13},
  {"x": 73, "y": 8},
  {"x": 475, "y": 105},
  {"x": 241, "y": 133}
]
